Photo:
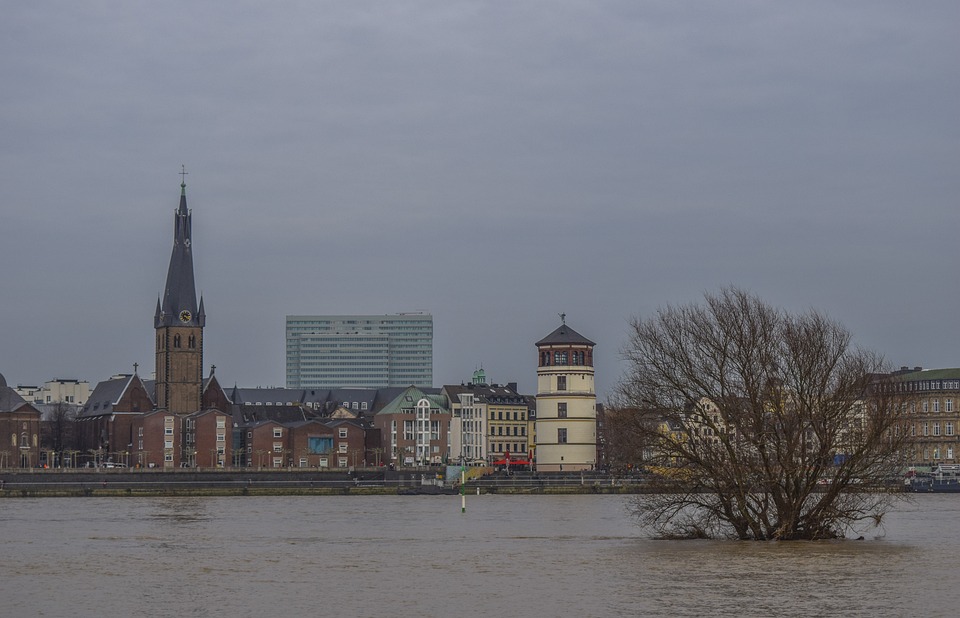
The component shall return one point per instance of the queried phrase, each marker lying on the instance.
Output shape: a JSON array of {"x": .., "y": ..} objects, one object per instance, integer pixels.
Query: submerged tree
[{"x": 763, "y": 424}]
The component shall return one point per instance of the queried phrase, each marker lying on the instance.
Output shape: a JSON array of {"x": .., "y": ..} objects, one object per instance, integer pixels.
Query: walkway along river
[{"x": 120, "y": 482}]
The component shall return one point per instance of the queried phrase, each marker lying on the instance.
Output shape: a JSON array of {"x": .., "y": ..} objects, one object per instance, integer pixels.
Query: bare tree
[
  {"x": 625, "y": 438},
  {"x": 765, "y": 425},
  {"x": 58, "y": 432}
]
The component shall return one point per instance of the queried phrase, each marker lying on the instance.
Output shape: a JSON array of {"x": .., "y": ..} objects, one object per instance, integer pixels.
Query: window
[
  {"x": 559, "y": 358},
  {"x": 168, "y": 457},
  {"x": 948, "y": 404},
  {"x": 278, "y": 432},
  {"x": 168, "y": 444},
  {"x": 936, "y": 405},
  {"x": 926, "y": 406},
  {"x": 562, "y": 435},
  {"x": 319, "y": 444},
  {"x": 278, "y": 447},
  {"x": 221, "y": 437},
  {"x": 342, "y": 462},
  {"x": 140, "y": 431},
  {"x": 949, "y": 428},
  {"x": 936, "y": 429},
  {"x": 562, "y": 409},
  {"x": 561, "y": 383},
  {"x": 342, "y": 447},
  {"x": 343, "y": 432},
  {"x": 324, "y": 463},
  {"x": 303, "y": 462},
  {"x": 926, "y": 429},
  {"x": 277, "y": 462},
  {"x": 168, "y": 431}
]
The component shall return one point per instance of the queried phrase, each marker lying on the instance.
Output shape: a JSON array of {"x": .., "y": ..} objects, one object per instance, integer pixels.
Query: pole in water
[{"x": 463, "y": 490}]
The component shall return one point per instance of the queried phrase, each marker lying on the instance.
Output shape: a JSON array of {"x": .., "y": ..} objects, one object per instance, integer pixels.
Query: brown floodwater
[{"x": 420, "y": 556}]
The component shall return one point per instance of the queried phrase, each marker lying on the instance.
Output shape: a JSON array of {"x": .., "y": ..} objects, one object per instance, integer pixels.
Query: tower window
[
  {"x": 192, "y": 342},
  {"x": 561, "y": 383},
  {"x": 562, "y": 409},
  {"x": 561, "y": 435},
  {"x": 176, "y": 341}
]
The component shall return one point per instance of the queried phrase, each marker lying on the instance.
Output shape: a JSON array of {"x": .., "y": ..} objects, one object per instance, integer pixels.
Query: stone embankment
[{"x": 252, "y": 482}]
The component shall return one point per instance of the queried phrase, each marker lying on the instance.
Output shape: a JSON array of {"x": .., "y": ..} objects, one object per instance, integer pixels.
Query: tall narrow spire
[{"x": 179, "y": 305}]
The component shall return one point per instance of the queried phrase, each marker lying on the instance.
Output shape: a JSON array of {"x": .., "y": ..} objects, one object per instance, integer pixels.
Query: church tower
[
  {"x": 179, "y": 325},
  {"x": 566, "y": 426}
]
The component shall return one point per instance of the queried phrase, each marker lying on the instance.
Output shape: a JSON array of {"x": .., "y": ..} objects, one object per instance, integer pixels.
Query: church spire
[{"x": 179, "y": 305}]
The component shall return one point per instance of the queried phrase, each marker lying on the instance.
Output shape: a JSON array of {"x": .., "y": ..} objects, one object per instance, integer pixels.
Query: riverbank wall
[{"x": 273, "y": 482}]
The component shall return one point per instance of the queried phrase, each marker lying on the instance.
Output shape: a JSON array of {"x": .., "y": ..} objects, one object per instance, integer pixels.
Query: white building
[
  {"x": 58, "y": 390},
  {"x": 566, "y": 425}
]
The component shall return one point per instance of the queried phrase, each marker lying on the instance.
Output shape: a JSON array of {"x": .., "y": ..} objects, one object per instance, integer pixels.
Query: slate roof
[
  {"x": 10, "y": 401},
  {"x": 104, "y": 396},
  {"x": 565, "y": 335},
  {"x": 252, "y": 414},
  {"x": 264, "y": 396},
  {"x": 180, "y": 292}
]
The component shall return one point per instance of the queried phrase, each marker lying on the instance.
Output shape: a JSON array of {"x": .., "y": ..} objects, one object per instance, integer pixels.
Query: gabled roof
[
  {"x": 107, "y": 394},
  {"x": 565, "y": 335}
]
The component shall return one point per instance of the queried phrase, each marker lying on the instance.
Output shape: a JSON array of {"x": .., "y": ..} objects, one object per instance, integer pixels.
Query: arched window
[
  {"x": 192, "y": 342},
  {"x": 176, "y": 341}
]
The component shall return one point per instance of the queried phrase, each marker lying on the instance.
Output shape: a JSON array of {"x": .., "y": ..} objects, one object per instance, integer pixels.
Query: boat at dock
[{"x": 945, "y": 478}]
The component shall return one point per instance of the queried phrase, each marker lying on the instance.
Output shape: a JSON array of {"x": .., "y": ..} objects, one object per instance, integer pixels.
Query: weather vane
[
  {"x": 183, "y": 174},
  {"x": 563, "y": 318}
]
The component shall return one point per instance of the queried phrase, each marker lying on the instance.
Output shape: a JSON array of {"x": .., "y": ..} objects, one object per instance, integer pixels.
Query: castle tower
[
  {"x": 566, "y": 427},
  {"x": 179, "y": 325}
]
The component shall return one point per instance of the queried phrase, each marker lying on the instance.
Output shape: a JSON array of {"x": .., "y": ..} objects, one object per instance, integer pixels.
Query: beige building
[
  {"x": 58, "y": 390},
  {"x": 933, "y": 414},
  {"x": 566, "y": 425},
  {"x": 491, "y": 423}
]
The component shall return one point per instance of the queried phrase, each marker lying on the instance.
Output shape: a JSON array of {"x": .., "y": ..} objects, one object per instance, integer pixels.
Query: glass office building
[{"x": 365, "y": 351}]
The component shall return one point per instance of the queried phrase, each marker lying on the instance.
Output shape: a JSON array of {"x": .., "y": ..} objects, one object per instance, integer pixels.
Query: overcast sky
[{"x": 492, "y": 163}]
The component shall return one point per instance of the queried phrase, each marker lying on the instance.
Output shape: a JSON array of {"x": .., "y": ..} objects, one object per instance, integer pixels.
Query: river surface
[{"x": 400, "y": 556}]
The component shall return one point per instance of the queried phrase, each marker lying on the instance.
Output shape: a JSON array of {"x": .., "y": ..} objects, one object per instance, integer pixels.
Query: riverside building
[
  {"x": 566, "y": 425},
  {"x": 362, "y": 351}
]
